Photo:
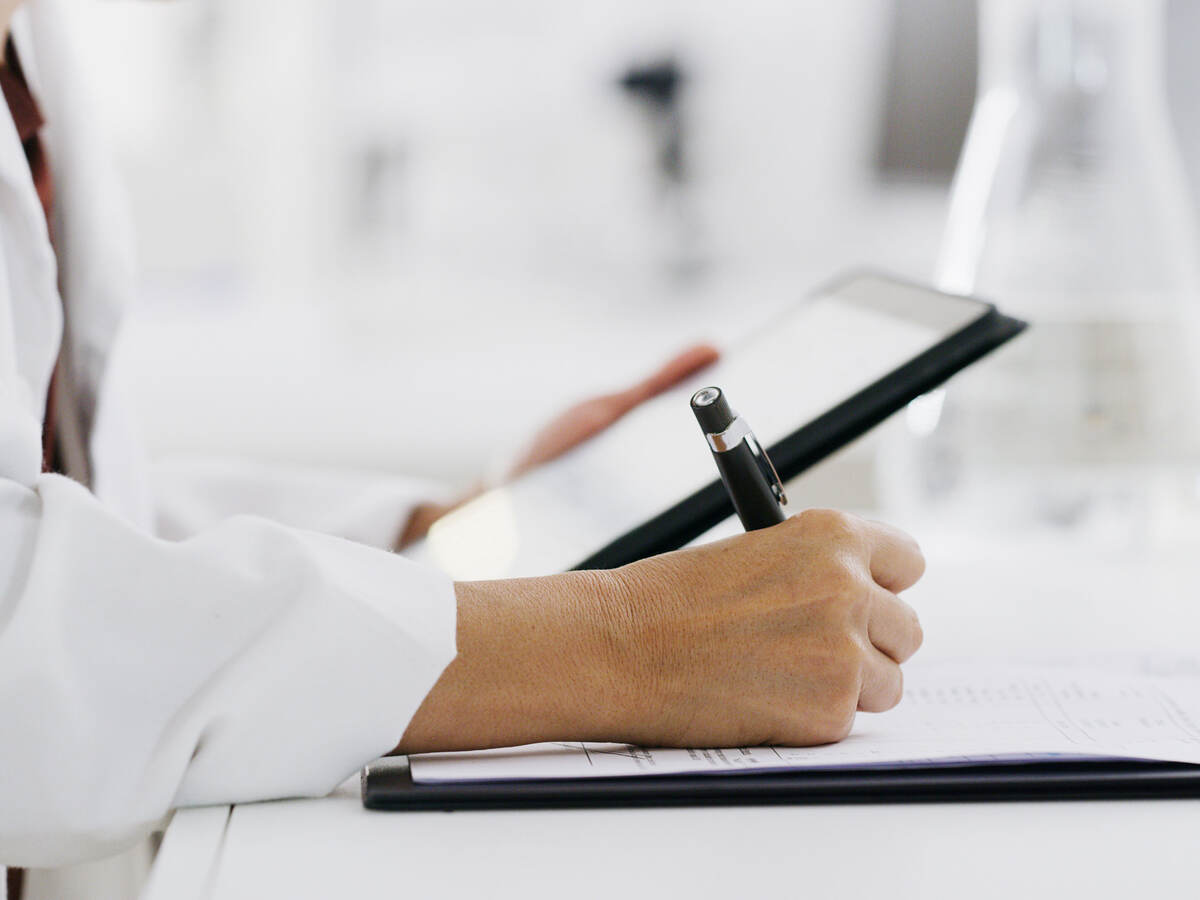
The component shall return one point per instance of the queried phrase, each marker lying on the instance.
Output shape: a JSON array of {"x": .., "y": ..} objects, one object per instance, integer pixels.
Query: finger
[
  {"x": 883, "y": 683},
  {"x": 896, "y": 560},
  {"x": 689, "y": 362},
  {"x": 893, "y": 626}
]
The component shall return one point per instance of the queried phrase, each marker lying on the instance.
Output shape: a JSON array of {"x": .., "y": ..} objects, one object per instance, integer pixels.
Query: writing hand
[{"x": 778, "y": 636}]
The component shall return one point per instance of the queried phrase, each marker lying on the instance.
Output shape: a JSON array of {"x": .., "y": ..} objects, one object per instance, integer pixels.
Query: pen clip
[{"x": 766, "y": 467}]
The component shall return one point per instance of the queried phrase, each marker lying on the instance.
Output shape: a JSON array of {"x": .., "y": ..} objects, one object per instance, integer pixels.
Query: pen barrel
[{"x": 750, "y": 492}]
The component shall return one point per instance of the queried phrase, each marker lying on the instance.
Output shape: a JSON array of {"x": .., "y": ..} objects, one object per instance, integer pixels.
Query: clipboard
[{"x": 388, "y": 785}]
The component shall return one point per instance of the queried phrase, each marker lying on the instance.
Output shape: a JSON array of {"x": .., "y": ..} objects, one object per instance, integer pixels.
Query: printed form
[{"x": 950, "y": 715}]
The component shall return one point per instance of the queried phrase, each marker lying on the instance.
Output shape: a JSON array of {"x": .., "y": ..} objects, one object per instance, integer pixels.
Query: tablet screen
[{"x": 832, "y": 345}]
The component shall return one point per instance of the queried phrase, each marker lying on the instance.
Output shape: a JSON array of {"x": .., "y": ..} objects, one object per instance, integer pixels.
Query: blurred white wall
[{"x": 343, "y": 202}]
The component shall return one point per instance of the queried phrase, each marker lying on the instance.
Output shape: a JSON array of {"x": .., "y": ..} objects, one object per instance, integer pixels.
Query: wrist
[{"x": 539, "y": 659}]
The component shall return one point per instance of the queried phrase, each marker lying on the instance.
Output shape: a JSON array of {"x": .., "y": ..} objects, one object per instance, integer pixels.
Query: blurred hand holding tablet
[{"x": 824, "y": 373}]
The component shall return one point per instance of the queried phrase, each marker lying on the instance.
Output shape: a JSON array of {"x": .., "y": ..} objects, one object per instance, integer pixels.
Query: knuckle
[
  {"x": 843, "y": 587},
  {"x": 841, "y": 672},
  {"x": 844, "y": 579},
  {"x": 907, "y": 545},
  {"x": 831, "y": 524}
]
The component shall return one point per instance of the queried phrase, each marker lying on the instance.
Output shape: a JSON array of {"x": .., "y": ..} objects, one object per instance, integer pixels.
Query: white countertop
[
  {"x": 991, "y": 601},
  {"x": 334, "y": 848}
]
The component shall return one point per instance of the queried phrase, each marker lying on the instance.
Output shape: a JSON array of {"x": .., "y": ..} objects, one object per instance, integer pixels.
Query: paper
[{"x": 950, "y": 715}]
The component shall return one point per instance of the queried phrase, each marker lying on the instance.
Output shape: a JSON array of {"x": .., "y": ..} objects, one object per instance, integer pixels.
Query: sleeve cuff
[{"x": 352, "y": 669}]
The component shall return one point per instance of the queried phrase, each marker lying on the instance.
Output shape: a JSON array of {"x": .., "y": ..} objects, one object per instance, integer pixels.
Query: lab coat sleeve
[
  {"x": 192, "y": 494},
  {"x": 252, "y": 661}
]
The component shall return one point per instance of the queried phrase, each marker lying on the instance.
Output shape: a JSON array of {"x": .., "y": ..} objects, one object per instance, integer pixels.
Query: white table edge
[{"x": 188, "y": 859}]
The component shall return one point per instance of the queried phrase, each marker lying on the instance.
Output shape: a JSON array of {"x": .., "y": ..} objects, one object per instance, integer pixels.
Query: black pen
[{"x": 749, "y": 477}]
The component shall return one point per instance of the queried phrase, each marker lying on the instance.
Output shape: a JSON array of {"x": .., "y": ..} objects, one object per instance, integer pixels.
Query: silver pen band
[{"x": 730, "y": 437}]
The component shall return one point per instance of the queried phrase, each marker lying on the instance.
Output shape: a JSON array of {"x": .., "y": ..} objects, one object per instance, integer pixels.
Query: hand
[
  {"x": 587, "y": 419},
  {"x": 571, "y": 428},
  {"x": 775, "y": 637}
]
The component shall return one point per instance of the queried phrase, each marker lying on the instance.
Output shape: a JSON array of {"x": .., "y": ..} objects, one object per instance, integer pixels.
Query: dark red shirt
[{"x": 29, "y": 122}]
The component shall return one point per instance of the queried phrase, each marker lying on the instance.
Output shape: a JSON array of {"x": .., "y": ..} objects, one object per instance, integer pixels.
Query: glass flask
[{"x": 1070, "y": 208}]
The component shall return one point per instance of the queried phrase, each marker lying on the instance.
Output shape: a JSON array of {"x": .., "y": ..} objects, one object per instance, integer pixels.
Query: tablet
[{"x": 811, "y": 380}]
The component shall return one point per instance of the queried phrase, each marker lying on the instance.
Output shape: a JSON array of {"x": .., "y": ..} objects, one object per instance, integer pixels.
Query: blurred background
[{"x": 462, "y": 202}]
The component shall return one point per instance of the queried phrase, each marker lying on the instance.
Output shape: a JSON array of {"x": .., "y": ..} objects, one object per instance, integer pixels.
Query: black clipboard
[
  {"x": 853, "y": 417},
  {"x": 388, "y": 785}
]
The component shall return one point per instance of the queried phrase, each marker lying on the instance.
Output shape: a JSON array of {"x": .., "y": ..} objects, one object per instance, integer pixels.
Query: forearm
[{"x": 538, "y": 659}]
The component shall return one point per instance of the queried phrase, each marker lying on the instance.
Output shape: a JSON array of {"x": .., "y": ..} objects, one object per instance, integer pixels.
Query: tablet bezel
[{"x": 812, "y": 442}]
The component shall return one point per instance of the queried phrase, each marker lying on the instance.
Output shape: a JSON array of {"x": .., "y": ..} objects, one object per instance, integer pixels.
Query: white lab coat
[{"x": 137, "y": 673}]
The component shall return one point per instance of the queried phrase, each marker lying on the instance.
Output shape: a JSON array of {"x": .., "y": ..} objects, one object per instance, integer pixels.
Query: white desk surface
[{"x": 1028, "y": 600}]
